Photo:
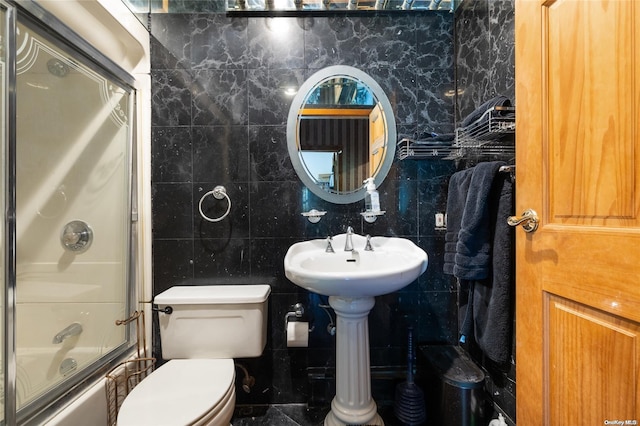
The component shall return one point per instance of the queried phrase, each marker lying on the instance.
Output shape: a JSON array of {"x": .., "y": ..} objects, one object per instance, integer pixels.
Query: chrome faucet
[
  {"x": 329, "y": 248},
  {"x": 368, "y": 246},
  {"x": 348, "y": 244},
  {"x": 69, "y": 331}
]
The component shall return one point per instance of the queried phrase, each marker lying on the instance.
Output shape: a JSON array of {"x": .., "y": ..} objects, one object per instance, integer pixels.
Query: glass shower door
[{"x": 73, "y": 214}]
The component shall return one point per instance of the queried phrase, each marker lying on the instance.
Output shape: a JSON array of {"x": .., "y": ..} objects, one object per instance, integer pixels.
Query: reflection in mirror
[
  {"x": 333, "y": 5},
  {"x": 341, "y": 131},
  {"x": 143, "y": 7},
  {"x": 336, "y": 126}
]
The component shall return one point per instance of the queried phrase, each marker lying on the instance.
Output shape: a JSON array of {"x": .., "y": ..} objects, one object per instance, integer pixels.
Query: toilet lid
[{"x": 178, "y": 393}]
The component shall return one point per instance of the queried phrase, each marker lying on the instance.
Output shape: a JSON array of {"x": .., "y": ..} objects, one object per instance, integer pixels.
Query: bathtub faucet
[{"x": 71, "y": 330}]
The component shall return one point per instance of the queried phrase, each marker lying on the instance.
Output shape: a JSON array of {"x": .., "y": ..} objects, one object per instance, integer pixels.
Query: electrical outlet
[{"x": 439, "y": 220}]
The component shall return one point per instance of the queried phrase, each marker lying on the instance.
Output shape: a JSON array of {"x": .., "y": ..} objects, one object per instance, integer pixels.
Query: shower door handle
[{"x": 529, "y": 220}]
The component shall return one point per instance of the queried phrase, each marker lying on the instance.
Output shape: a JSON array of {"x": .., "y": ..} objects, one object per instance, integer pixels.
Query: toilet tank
[{"x": 213, "y": 321}]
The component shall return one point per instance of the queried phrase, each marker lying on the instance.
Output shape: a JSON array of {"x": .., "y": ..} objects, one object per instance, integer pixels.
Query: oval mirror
[{"x": 341, "y": 131}]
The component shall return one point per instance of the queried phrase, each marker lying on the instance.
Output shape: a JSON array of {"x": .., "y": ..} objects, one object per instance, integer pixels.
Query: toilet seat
[{"x": 182, "y": 392}]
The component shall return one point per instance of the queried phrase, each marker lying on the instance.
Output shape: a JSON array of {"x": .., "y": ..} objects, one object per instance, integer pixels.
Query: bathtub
[
  {"x": 38, "y": 369},
  {"x": 48, "y": 301},
  {"x": 89, "y": 408}
]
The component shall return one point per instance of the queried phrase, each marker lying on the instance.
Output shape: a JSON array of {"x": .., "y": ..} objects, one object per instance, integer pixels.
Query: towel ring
[{"x": 219, "y": 192}]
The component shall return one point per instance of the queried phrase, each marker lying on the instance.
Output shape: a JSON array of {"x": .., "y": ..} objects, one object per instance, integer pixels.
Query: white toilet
[{"x": 207, "y": 328}]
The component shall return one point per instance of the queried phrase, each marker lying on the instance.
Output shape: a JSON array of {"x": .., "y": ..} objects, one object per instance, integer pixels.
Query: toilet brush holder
[{"x": 409, "y": 406}]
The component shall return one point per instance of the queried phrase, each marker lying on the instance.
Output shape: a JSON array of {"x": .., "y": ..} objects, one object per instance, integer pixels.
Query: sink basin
[
  {"x": 352, "y": 279},
  {"x": 393, "y": 264}
]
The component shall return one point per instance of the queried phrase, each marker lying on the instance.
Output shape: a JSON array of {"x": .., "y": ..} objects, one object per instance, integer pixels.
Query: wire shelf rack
[{"x": 490, "y": 135}]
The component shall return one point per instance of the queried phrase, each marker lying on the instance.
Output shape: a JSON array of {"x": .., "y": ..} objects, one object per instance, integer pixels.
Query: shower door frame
[
  {"x": 66, "y": 39},
  {"x": 9, "y": 231}
]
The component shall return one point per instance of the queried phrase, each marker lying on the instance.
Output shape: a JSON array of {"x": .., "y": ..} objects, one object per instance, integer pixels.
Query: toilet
[{"x": 208, "y": 326}]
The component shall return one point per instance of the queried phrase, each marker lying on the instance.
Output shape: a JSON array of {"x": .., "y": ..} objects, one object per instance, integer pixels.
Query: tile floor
[{"x": 294, "y": 415}]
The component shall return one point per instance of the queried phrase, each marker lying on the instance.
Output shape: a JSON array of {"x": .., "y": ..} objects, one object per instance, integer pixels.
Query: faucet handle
[
  {"x": 329, "y": 248},
  {"x": 367, "y": 246}
]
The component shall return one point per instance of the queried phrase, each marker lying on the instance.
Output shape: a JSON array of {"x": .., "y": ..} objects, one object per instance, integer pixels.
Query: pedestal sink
[{"x": 352, "y": 279}]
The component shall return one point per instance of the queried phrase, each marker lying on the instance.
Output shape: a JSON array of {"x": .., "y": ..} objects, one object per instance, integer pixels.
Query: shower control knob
[{"x": 76, "y": 236}]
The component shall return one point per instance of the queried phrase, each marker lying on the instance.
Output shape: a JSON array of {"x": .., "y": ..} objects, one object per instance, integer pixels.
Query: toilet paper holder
[
  {"x": 296, "y": 329},
  {"x": 297, "y": 313}
]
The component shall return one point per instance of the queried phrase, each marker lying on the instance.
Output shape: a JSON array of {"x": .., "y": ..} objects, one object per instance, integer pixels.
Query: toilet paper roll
[{"x": 297, "y": 334}]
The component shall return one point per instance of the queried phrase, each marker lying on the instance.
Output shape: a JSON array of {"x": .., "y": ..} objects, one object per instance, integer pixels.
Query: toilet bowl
[
  {"x": 207, "y": 327},
  {"x": 183, "y": 392}
]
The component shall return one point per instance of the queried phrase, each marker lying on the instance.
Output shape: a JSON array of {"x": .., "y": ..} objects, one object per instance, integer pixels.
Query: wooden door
[
  {"x": 377, "y": 140},
  {"x": 578, "y": 166}
]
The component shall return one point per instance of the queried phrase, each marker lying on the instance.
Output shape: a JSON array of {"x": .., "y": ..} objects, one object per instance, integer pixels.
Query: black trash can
[{"x": 454, "y": 387}]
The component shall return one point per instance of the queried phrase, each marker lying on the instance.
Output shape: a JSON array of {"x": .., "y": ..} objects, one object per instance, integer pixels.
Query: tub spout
[{"x": 71, "y": 330}]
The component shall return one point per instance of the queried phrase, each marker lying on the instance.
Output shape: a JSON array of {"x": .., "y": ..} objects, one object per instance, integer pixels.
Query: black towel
[
  {"x": 456, "y": 199},
  {"x": 478, "y": 112},
  {"x": 484, "y": 263},
  {"x": 473, "y": 249},
  {"x": 465, "y": 309},
  {"x": 493, "y": 297}
]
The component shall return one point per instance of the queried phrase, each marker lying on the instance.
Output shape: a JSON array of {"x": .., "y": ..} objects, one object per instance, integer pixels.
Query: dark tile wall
[
  {"x": 219, "y": 118},
  {"x": 485, "y": 67},
  {"x": 484, "y": 58}
]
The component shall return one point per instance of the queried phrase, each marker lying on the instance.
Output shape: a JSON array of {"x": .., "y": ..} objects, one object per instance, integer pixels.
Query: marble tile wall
[
  {"x": 219, "y": 118},
  {"x": 485, "y": 67},
  {"x": 484, "y": 59}
]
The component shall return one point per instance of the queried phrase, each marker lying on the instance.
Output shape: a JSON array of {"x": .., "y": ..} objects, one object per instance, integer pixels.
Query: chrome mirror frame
[{"x": 292, "y": 131}]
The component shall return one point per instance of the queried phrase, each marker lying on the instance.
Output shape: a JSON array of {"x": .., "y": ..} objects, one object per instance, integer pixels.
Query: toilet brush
[{"x": 409, "y": 405}]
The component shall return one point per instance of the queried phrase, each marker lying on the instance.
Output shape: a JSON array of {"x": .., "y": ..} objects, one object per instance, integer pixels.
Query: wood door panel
[
  {"x": 591, "y": 80},
  {"x": 578, "y": 275},
  {"x": 591, "y": 268},
  {"x": 593, "y": 354},
  {"x": 594, "y": 266}
]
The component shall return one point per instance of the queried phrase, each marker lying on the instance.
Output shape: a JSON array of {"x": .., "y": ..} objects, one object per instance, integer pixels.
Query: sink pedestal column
[{"x": 352, "y": 404}]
